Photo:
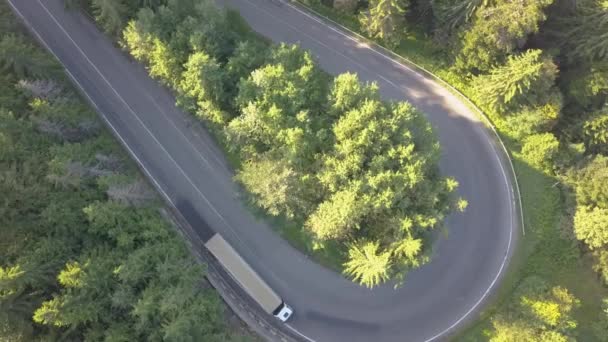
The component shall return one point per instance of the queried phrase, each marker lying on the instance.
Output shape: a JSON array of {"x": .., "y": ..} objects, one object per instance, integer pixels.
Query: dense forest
[{"x": 86, "y": 252}]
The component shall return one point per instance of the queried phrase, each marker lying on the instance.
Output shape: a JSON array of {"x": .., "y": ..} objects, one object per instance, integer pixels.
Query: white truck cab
[{"x": 283, "y": 312}]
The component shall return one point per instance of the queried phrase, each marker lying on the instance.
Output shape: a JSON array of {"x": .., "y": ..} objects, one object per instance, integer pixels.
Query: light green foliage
[
  {"x": 525, "y": 79},
  {"x": 203, "y": 82},
  {"x": 592, "y": 183},
  {"x": 591, "y": 219},
  {"x": 280, "y": 107},
  {"x": 540, "y": 313},
  {"x": 531, "y": 120},
  {"x": 338, "y": 216},
  {"x": 591, "y": 226},
  {"x": 540, "y": 149},
  {"x": 164, "y": 64},
  {"x": 498, "y": 31},
  {"x": 137, "y": 39},
  {"x": 367, "y": 264},
  {"x": 276, "y": 187},
  {"x": 349, "y": 93},
  {"x": 595, "y": 132},
  {"x": 383, "y": 166},
  {"x": 384, "y": 19}
]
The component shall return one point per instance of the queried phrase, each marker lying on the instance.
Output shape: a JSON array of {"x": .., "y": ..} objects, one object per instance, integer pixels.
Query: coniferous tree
[
  {"x": 385, "y": 19},
  {"x": 367, "y": 264},
  {"x": 526, "y": 79}
]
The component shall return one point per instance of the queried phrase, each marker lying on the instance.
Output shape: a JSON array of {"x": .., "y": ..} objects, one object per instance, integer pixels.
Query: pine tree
[
  {"x": 112, "y": 14},
  {"x": 367, "y": 264},
  {"x": 526, "y": 79},
  {"x": 588, "y": 37},
  {"x": 498, "y": 31},
  {"x": 385, "y": 19}
]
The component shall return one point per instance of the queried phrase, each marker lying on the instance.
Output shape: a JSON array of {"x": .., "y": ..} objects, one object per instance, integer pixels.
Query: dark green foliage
[
  {"x": 76, "y": 265},
  {"x": 384, "y": 19},
  {"x": 498, "y": 31},
  {"x": 587, "y": 37},
  {"x": 525, "y": 80},
  {"x": 21, "y": 58},
  {"x": 595, "y": 132},
  {"x": 592, "y": 183}
]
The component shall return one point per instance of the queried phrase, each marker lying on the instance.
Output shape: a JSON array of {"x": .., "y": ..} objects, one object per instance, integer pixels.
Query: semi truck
[{"x": 247, "y": 278}]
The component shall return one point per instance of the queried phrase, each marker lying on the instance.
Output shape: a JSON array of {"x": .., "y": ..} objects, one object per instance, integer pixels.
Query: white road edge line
[{"x": 299, "y": 333}]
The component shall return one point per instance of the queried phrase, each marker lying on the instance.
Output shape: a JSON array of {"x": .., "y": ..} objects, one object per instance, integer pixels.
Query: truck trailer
[{"x": 247, "y": 278}]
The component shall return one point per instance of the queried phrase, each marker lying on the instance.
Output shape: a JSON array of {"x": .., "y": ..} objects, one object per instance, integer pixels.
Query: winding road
[{"x": 191, "y": 173}]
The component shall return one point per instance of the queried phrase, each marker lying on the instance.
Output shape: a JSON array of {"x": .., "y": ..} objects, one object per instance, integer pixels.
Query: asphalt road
[{"x": 192, "y": 174}]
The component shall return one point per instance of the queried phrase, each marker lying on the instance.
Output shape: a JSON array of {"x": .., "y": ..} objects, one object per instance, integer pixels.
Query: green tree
[
  {"x": 348, "y": 93},
  {"x": 111, "y": 14},
  {"x": 338, "y": 216},
  {"x": 595, "y": 132},
  {"x": 247, "y": 56},
  {"x": 281, "y": 108},
  {"x": 450, "y": 15},
  {"x": 526, "y": 79},
  {"x": 202, "y": 83},
  {"x": 541, "y": 313},
  {"x": 23, "y": 59},
  {"x": 164, "y": 63},
  {"x": 385, "y": 19},
  {"x": 592, "y": 183},
  {"x": 587, "y": 86},
  {"x": 540, "y": 149},
  {"x": 277, "y": 187},
  {"x": 367, "y": 264},
  {"x": 587, "y": 38},
  {"x": 498, "y": 31},
  {"x": 591, "y": 226}
]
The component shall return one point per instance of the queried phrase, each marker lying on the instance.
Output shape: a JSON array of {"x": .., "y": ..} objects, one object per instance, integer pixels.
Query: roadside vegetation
[
  {"x": 85, "y": 250},
  {"x": 351, "y": 179},
  {"x": 539, "y": 70}
]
